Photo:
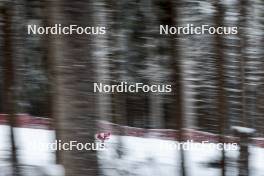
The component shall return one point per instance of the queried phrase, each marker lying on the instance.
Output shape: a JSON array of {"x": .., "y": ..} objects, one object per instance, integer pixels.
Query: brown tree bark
[
  {"x": 49, "y": 45},
  {"x": 76, "y": 101},
  {"x": 221, "y": 94},
  {"x": 9, "y": 83},
  {"x": 171, "y": 17},
  {"x": 243, "y": 161}
]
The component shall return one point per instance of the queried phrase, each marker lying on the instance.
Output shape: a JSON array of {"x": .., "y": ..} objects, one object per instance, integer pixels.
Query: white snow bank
[
  {"x": 244, "y": 130},
  {"x": 150, "y": 157},
  {"x": 134, "y": 156},
  {"x": 32, "y": 149}
]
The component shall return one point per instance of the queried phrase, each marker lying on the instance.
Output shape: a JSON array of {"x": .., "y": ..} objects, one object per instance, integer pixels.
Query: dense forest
[{"x": 217, "y": 80}]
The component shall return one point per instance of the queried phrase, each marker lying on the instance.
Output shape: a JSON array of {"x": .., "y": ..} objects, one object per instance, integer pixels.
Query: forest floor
[{"x": 128, "y": 155}]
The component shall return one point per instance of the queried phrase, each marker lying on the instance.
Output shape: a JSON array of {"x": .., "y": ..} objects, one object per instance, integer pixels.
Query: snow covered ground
[
  {"x": 133, "y": 156},
  {"x": 33, "y": 155},
  {"x": 29, "y": 142},
  {"x": 156, "y": 157}
]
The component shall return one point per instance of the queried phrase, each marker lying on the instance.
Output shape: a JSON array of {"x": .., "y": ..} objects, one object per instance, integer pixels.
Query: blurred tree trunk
[
  {"x": 221, "y": 94},
  {"x": 49, "y": 45},
  {"x": 76, "y": 75},
  {"x": 155, "y": 65},
  {"x": 170, "y": 16},
  {"x": 243, "y": 45},
  {"x": 113, "y": 19},
  {"x": 9, "y": 94},
  {"x": 118, "y": 110},
  {"x": 242, "y": 48}
]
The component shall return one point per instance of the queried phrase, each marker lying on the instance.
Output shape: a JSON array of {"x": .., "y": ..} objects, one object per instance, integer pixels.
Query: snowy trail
[
  {"x": 149, "y": 157},
  {"x": 139, "y": 156}
]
